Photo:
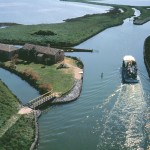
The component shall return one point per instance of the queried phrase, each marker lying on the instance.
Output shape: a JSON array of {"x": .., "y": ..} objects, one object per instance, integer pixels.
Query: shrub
[
  {"x": 34, "y": 76},
  {"x": 44, "y": 33},
  {"x": 45, "y": 87},
  {"x": 31, "y": 75}
]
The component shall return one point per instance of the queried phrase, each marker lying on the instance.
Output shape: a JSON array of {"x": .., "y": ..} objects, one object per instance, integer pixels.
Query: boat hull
[{"x": 126, "y": 79}]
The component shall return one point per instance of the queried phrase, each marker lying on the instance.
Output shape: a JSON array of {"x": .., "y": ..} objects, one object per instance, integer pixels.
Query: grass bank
[
  {"x": 69, "y": 33},
  {"x": 20, "y": 135},
  {"x": 9, "y": 104},
  {"x": 60, "y": 80},
  {"x": 144, "y": 17},
  {"x": 147, "y": 54},
  {"x": 16, "y": 131}
]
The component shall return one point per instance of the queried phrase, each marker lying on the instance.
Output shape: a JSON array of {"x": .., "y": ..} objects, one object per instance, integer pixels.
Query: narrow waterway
[
  {"x": 19, "y": 87},
  {"x": 108, "y": 115}
]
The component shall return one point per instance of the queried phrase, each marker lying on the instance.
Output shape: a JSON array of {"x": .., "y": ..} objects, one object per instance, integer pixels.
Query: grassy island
[
  {"x": 16, "y": 131},
  {"x": 69, "y": 33}
]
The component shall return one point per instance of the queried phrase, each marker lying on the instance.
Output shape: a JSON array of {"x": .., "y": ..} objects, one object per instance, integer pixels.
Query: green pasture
[
  {"x": 61, "y": 80},
  {"x": 14, "y": 135},
  {"x": 8, "y": 104},
  {"x": 69, "y": 33},
  {"x": 20, "y": 136}
]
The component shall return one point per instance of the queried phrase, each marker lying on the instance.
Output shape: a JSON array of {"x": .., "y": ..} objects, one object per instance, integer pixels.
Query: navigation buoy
[{"x": 101, "y": 75}]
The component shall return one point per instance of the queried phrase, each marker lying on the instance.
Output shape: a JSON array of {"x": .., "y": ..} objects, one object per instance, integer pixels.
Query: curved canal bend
[
  {"x": 19, "y": 87},
  {"x": 108, "y": 115}
]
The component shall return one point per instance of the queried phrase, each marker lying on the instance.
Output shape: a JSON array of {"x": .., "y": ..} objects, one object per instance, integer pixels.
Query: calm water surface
[
  {"x": 18, "y": 86},
  {"x": 108, "y": 115},
  {"x": 44, "y": 11}
]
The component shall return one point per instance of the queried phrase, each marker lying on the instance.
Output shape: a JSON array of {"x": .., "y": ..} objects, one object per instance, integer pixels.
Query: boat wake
[{"x": 124, "y": 123}]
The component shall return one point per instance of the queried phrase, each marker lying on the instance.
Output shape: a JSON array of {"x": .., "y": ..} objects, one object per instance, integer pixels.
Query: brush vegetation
[{"x": 69, "y": 33}]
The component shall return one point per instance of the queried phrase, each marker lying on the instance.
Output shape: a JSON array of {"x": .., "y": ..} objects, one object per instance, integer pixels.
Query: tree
[{"x": 13, "y": 61}]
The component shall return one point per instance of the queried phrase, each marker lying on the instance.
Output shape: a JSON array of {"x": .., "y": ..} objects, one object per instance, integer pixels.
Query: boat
[{"x": 129, "y": 70}]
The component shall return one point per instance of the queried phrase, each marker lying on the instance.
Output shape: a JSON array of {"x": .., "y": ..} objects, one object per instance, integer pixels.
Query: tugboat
[{"x": 129, "y": 70}]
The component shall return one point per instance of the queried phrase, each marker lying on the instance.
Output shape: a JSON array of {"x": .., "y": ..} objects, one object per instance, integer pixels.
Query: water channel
[
  {"x": 19, "y": 87},
  {"x": 108, "y": 115}
]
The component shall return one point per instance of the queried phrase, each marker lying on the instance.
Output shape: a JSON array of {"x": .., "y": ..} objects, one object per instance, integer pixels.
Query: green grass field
[
  {"x": 69, "y": 33},
  {"x": 16, "y": 131},
  {"x": 61, "y": 80},
  {"x": 8, "y": 104},
  {"x": 20, "y": 136}
]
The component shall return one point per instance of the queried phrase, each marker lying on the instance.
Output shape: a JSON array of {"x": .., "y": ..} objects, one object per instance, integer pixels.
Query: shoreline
[
  {"x": 10, "y": 125},
  {"x": 37, "y": 114},
  {"x": 71, "y": 95},
  {"x": 141, "y": 22},
  {"x": 87, "y": 28}
]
